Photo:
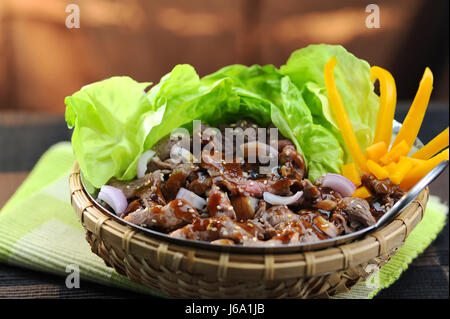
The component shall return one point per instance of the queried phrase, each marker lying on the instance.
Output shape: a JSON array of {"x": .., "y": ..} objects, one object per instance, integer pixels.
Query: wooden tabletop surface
[{"x": 24, "y": 137}]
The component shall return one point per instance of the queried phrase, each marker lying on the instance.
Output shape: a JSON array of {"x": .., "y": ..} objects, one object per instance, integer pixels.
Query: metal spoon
[{"x": 412, "y": 194}]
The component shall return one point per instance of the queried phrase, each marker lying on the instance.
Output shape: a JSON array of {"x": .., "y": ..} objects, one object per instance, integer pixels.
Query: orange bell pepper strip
[
  {"x": 351, "y": 172},
  {"x": 388, "y": 101},
  {"x": 414, "y": 118},
  {"x": 419, "y": 171},
  {"x": 376, "y": 151},
  {"x": 433, "y": 146},
  {"x": 342, "y": 118},
  {"x": 394, "y": 154},
  {"x": 403, "y": 167},
  {"x": 362, "y": 192},
  {"x": 390, "y": 168},
  {"x": 379, "y": 172},
  {"x": 416, "y": 161}
]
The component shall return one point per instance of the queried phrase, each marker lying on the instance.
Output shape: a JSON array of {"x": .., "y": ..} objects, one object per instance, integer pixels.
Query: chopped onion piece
[
  {"x": 254, "y": 202},
  {"x": 339, "y": 183},
  {"x": 282, "y": 200},
  {"x": 192, "y": 198},
  {"x": 258, "y": 150},
  {"x": 143, "y": 161},
  {"x": 114, "y": 197},
  {"x": 178, "y": 153}
]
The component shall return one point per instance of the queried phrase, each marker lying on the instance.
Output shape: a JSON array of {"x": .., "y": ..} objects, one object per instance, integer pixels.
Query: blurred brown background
[{"x": 42, "y": 61}]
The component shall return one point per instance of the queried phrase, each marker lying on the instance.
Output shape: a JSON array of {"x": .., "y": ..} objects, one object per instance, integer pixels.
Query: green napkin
[{"x": 39, "y": 230}]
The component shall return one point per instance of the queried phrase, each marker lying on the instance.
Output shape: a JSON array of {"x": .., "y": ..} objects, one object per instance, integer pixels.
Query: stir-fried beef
[
  {"x": 200, "y": 183},
  {"x": 176, "y": 180},
  {"x": 282, "y": 143},
  {"x": 173, "y": 215},
  {"x": 219, "y": 204},
  {"x": 357, "y": 210},
  {"x": 214, "y": 228},
  {"x": 230, "y": 195},
  {"x": 278, "y": 216},
  {"x": 245, "y": 207},
  {"x": 292, "y": 163},
  {"x": 151, "y": 194},
  {"x": 131, "y": 188}
]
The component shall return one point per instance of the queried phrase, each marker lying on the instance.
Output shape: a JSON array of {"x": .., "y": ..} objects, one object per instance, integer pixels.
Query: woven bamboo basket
[{"x": 186, "y": 271}]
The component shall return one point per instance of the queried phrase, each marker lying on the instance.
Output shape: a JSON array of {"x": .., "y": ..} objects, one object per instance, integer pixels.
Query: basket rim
[{"x": 270, "y": 264}]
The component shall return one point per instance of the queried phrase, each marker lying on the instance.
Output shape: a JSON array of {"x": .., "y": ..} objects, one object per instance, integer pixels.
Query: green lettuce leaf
[
  {"x": 111, "y": 120},
  {"x": 322, "y": 151},
  {"x": 181, "y": 97},
  {"x": 305, "y": 68},
  {"x": 264, "y": 88}
]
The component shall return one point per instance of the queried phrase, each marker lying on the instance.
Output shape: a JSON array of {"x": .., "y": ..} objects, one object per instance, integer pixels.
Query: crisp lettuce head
[{"x": 115, "y": 121}]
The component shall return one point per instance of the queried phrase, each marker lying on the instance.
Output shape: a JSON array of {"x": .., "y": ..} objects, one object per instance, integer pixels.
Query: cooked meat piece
[
  {"x": 214, "y": 228},
  {"x": 318, "y": 223},
  {"x": 283, "y": 143},
  {"x": 326, "y": 204},
  {"x": 232, "y": 177},
  {"x": 397, "y": 194},
  {"x": 200, "y": 184},
  {"x": 148, "y": 194},
  {"x": 133, "y": 206},
  {"x": 218, "y": 203},
  {"x": 157, "y": 163},
  {"x": 278, "y": 216},
  {"x": 292, "y": 163},
  {"x": 229, "y": 175},
  {"x": 281, "y": 186},
  {"x": 325, "y": 226},
  {"x": 310, "y": 191},
  {"x": 131, "y": 188},
  {"x": 378, "y": 206},
  {"x": 227, "y": 242},
  {"x": 165, "y": 145},
  {"x": 284, "y": 237},
  {"x": 377, "y": 187},
  {"x": 292, "y": 233},
  {"x": 262, "y": 206},
  {"x": 244, "y": 206},
  {"x": 177, "y": 180},
  {"x": 173, "y": 215},
  {"x": 151, "y": 194},
  {"x": 310, "y": 236},
  {"x": 243, "y": 124},
  {"x": 328, "y": 199},
  {"x": 357, "y": 209},
  {"x": 340, "y": 221}
]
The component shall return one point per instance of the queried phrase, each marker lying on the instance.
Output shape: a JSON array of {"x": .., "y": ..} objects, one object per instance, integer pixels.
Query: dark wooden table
[{"x": 24, "y": 137}]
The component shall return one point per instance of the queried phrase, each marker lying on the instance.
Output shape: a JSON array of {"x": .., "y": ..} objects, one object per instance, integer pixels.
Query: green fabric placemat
[{"x": 39, "y": 230}]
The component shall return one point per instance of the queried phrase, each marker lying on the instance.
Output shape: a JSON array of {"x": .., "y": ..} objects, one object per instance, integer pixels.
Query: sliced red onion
[
  {"x": 282, "y": 200},
  {"x": 339, "y": 183},
  {"x": 192, "y": 198},
  {"x": 114, "y": 197},
  {"x": 254, "y": 202},
  {"x": 259, "y": 150},
  {"x": 143, "y": 161}
]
